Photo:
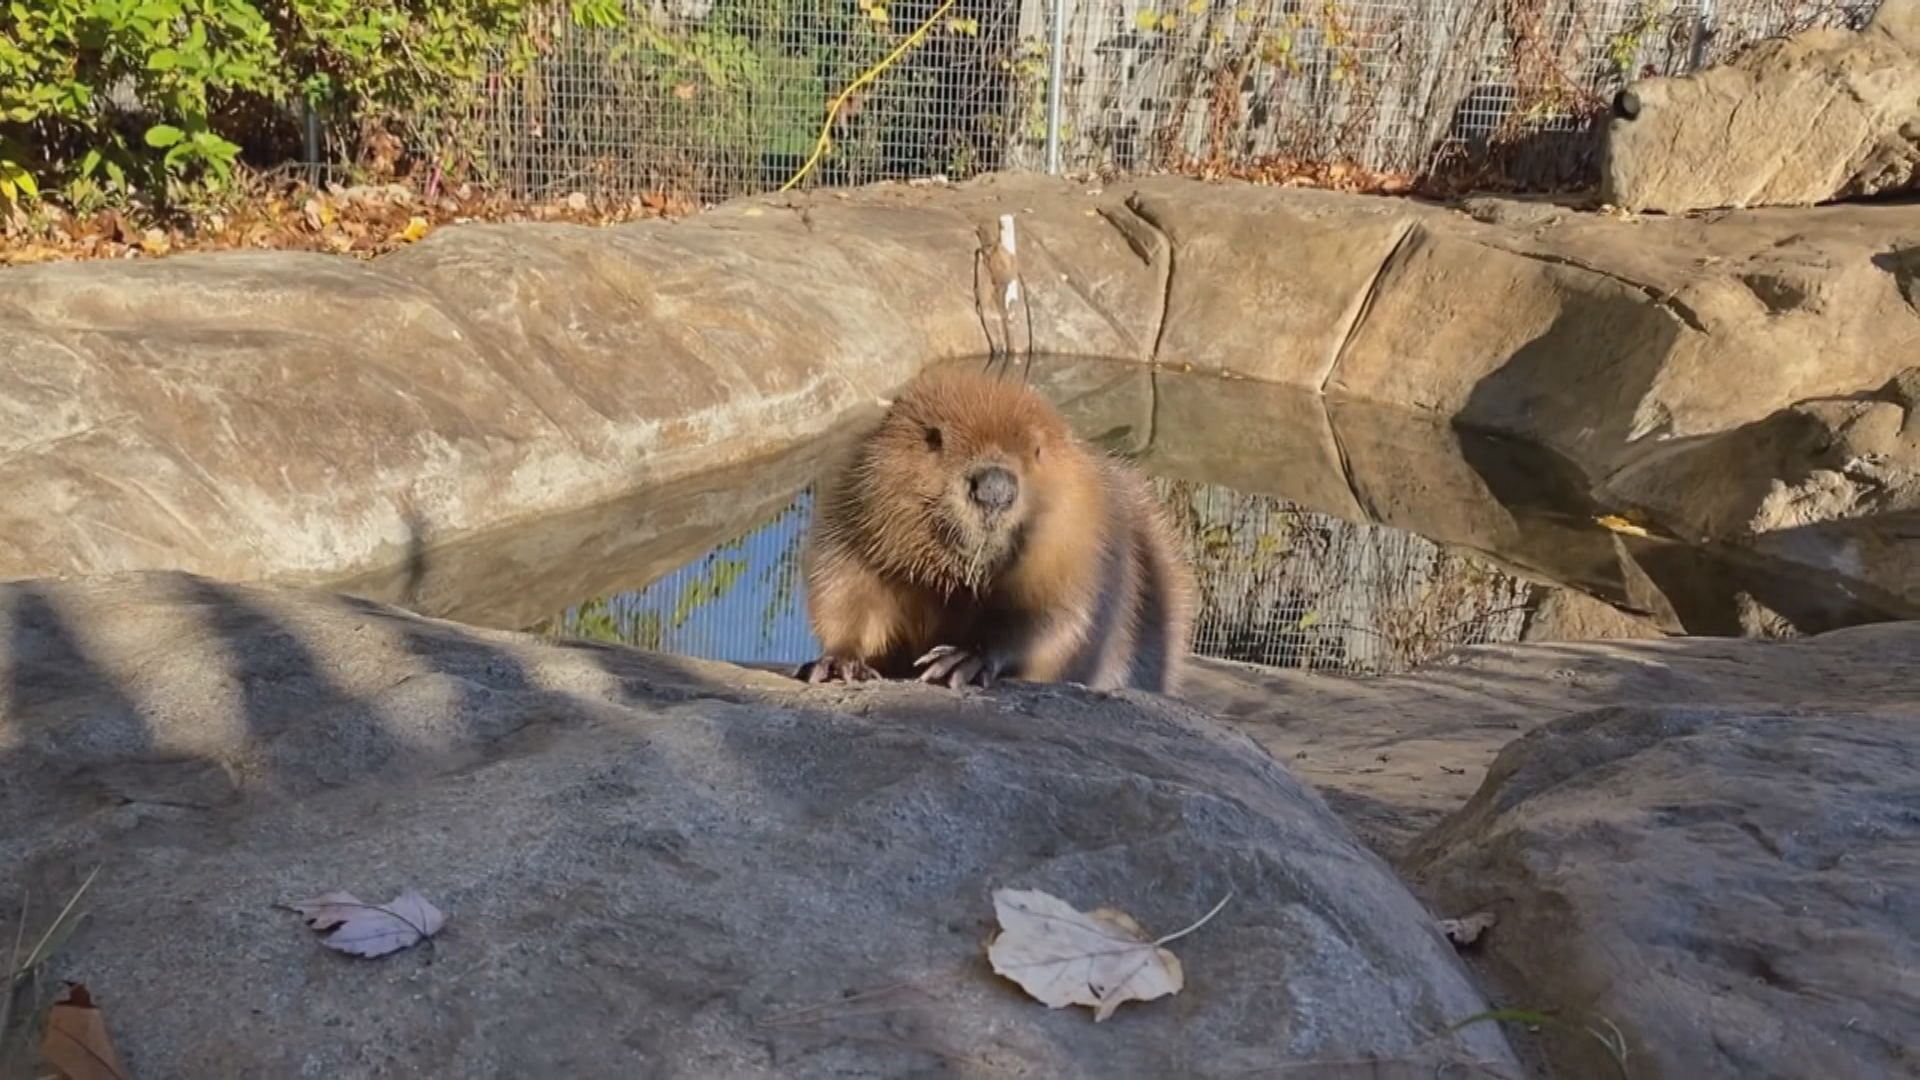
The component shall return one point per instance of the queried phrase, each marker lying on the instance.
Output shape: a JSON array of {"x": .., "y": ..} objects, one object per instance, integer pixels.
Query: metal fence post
[
  {"x": 1056, "y": 63},
  {"x": 1702, "y": 30}
]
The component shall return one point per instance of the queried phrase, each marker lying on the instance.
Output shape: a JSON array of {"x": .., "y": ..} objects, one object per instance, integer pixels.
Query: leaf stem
[{"x": 1204, "y": 920}]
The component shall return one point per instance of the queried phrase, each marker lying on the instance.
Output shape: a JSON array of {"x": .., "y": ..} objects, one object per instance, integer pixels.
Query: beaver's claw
[{"x": 956, "y": 667}]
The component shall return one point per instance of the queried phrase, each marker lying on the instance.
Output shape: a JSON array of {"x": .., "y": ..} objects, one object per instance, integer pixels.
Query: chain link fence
[
  {"x": 1285, "y": 586},
  {"x": 716, "y": 98}
]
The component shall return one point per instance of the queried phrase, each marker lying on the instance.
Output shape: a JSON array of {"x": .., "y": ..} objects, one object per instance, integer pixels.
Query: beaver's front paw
[
  {"x": 836, "y": 669},
  {"x": 957, "y": 667}
]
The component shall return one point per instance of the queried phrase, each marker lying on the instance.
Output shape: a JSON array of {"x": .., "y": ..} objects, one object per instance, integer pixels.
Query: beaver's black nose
[{"x": 992, "y": 488}]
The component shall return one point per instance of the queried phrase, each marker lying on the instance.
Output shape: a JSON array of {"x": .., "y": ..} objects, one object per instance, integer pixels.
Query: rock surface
[
  {"x": 1827, "y": 114},
  {"x": 1713, "y": 844},
  {"x": 1395, "y": 754},
  {"x": 1735, "y": 888},
  {"x": 657, "y": 865},
  {"x": 304, "y": 419},
  {"x": 1566, "y": 615}
]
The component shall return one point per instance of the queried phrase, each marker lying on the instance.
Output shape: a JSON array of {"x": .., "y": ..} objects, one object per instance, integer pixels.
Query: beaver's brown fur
[{"x": 972, "y": 537}]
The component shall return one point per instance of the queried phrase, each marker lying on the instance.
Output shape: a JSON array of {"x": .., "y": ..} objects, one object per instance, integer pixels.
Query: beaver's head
[{"x": 957, "y": 476}]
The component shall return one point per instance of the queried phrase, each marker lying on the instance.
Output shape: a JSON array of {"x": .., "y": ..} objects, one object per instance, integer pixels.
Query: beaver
[{"x": 972, "y": 537}]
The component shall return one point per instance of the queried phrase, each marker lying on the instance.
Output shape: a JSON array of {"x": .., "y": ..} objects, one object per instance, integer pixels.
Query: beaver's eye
[{"x": 933, "y": 439}]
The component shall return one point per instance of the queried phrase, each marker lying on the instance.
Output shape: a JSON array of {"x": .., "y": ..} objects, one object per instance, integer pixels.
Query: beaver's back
[{"x": 1142, "y": 609}]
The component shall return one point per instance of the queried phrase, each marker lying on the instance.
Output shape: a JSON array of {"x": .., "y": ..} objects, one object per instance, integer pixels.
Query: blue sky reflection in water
[{"x": 743, "y": 601}]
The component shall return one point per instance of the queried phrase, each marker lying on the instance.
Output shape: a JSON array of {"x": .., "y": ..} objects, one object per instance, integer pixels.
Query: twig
[
  {"x": 792, "y": 1015},
  {"x": 34, "y": 958},
  {"x": 13, "y": 976}
]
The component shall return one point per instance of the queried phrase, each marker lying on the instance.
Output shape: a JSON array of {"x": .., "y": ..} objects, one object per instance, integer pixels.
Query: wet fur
[{"x": 1082, "y": 581}]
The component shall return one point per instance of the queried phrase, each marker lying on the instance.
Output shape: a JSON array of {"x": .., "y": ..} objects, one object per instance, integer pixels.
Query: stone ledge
[{"x": 301, "y": 418}]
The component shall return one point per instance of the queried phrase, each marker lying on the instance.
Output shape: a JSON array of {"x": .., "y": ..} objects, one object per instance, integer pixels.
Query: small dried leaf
[
  {"x": 328, "y": 910},
  {"x": 1620, "y": 525},
  {"x": 76, "y": 1043},
  {"x": 368, "y": 930},
  {"x": 1061, "y": 956},
  {"x": 1466, "y": 931},
  {"x": 154, "y": 242},
  {"x": 685, "y": 91}
]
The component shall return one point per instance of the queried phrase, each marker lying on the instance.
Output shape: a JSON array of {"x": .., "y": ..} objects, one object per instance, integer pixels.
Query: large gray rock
[
  {"x": 1711, "y": 843},
  {"x": 655, "y": 866},
  {"x": 1736, "y": 889},
  {"x": 412, "y": 428},
  {"x": 1827, "y": 114},
  {"x": 1394, "y": 755},
  {"x": 1566, "y": 615}
]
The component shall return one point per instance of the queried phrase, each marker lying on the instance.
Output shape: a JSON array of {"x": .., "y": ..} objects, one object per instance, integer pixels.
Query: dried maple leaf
[
  {"x": 369, "y": 929},
  {"x": 328, "y": 910},
  {"x": 1100, "y": 959},
  {"x": 1466, "y": 931}
]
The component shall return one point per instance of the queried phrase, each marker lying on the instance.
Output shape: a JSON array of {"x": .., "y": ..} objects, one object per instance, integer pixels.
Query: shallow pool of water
[
  {"x": 1280, "y": 585},
  {"x": 1328, "y": 534}
]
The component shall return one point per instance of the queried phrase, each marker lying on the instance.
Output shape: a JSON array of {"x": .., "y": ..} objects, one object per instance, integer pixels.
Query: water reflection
[
  {"x": 1331, "y": 534},
  {"x": 1285, "y": 586},
  {"x": 743, "y": 601},
  {"x": 1280, "y": 585}
]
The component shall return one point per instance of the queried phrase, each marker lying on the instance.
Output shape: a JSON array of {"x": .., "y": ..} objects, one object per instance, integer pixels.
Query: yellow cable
[{"x": 822, "y": 144}]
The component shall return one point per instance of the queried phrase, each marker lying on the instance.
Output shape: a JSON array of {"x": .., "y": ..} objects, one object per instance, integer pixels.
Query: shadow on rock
[{"x": 699, "y": 868}]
